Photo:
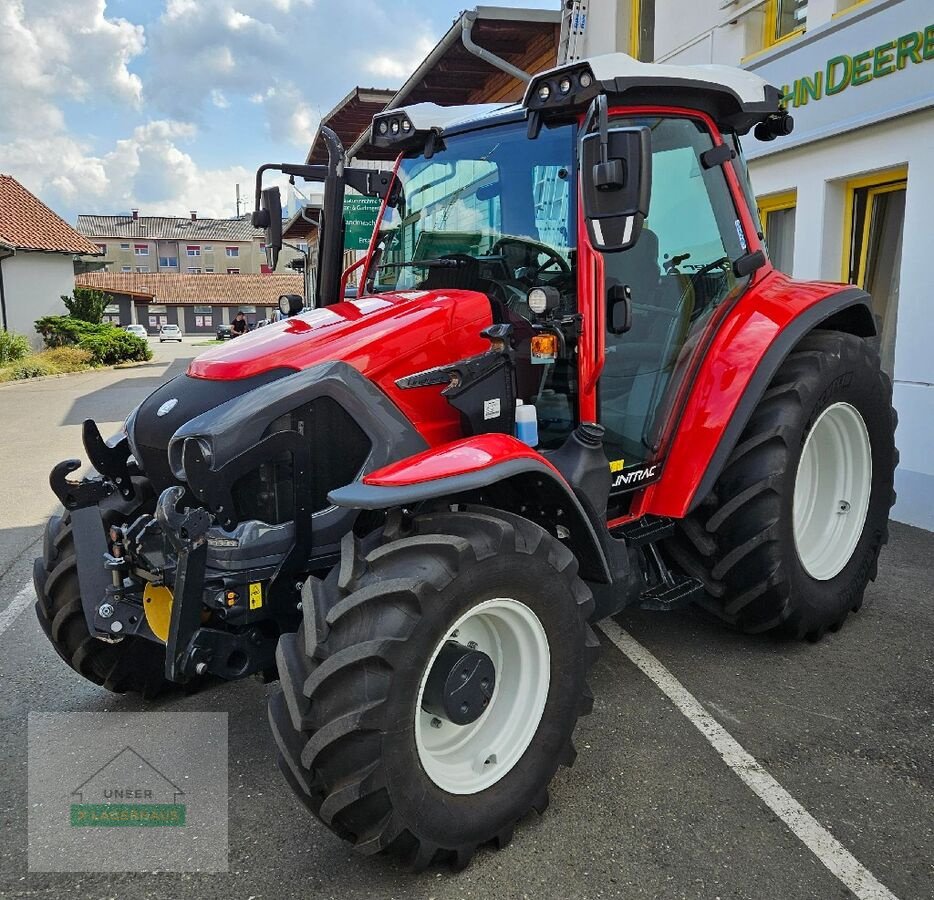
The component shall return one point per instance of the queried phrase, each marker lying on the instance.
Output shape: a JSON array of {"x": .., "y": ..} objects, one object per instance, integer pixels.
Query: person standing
[{"x": 238, "y": 326}]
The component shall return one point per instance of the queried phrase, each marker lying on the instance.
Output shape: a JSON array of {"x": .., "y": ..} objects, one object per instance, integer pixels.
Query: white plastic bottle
[{"x": 526, "y": 423}]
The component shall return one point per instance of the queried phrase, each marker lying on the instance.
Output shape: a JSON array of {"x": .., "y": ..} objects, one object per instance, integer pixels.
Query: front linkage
[{"x": 151, "y": 576}]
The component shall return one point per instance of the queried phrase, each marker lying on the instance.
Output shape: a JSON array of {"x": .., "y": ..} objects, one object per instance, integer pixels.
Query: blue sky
[{"x": 166, "y": 105}]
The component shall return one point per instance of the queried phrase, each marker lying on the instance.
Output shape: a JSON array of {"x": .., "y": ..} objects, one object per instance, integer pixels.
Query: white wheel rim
[
  {"x": 467, "y": 759},
  {"x": 832, "y": 488}
]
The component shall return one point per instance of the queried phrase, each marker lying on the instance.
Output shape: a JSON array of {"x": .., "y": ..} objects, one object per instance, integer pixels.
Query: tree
[{"x": 87, "y": 304}]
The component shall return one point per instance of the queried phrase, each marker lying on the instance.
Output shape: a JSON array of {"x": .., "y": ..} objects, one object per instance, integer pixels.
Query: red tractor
[{"x": 340, "y": 499}]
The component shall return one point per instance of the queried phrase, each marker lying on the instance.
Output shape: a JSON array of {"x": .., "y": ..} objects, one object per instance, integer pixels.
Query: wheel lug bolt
[
  {"x": 472, "y": 645},
  {"x": 105, "y": 611},
  {"x": 436, "y": 722}
]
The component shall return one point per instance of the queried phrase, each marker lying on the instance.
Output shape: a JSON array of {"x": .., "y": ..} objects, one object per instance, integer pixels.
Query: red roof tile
[
  {"x": 207, "y": 288},
  {"x": 26, "y": 223}
]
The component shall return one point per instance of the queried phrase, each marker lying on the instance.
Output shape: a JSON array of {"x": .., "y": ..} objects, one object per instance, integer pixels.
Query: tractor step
[
  {"x": 646, "y": 530},
  {"x": 666, "y": 597}
]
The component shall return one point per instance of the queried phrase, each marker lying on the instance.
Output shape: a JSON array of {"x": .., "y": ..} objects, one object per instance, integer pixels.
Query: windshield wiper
[{"x": 440, "y": 262}]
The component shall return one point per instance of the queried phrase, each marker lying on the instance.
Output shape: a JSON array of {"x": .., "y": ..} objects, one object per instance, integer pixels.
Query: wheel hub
[{"x": 460, "y": 684}]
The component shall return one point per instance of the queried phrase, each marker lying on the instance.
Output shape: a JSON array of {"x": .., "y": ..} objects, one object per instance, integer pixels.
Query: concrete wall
[{"x": 33, "y": 284}]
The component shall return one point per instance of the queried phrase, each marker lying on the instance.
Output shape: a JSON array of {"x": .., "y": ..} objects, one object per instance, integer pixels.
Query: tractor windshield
[{"x": 489, "y": 211}]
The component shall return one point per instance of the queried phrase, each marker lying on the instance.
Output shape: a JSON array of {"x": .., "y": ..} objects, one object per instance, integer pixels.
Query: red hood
[{"x": 384, "y": 337}]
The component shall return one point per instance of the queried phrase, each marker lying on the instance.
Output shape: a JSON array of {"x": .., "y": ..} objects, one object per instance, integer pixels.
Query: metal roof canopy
[
  {"x": 452, "y": 76},
  {"x": 349, "y": 118}
]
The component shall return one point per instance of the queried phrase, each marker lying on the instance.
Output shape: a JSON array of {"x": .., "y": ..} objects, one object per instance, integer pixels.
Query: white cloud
[{"x": 399, "y": 66}]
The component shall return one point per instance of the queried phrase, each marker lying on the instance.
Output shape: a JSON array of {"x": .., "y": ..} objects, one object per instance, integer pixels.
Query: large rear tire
[
  {"x": 132, "y": 665},
  {"x": 354, "y": 740},
  {"x": 790, "y": 537}
]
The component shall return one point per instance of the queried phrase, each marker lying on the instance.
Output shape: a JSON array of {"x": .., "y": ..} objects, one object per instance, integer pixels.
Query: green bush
[
  {"x": 106, "y": 343},
  {"x": 12, "y": 347},
  {"x": 87, "y": 304}
]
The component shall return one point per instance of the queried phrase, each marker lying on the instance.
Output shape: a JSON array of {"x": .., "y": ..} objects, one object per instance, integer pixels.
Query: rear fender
[
  {"x": 495, "y": 469},
  {"x": 739, "y": 364}
]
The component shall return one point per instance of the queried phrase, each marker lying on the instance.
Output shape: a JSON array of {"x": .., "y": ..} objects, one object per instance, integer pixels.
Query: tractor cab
[{"x": 607, "y": 218}]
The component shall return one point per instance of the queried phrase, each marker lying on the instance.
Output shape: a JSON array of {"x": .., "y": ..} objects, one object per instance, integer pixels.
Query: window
[
  {"x": 126, "y": 269},
  {"x": 208, "y": 248},
  {"x": 784, "y": 19},
  {"x": 112, "y": 313},
  {"x": 102, "y": 248},
  {"x": 141, "y": 249},
  {"x": 208, "y": 269},
  {"x": 142, "y": 268},
  {"x": 168, "y": 262},
  {"x": 204, "y": 317},
  {"x": 193, "y": 250},
  {"x": 874, "y": 219},
  {"x": 777, "y": 212},
  {"x": 233, "y": 271},
  {"x": 678, "y": 273},
  {"x": 124, "y": 246},
  {"x": 233, "y": 251},
  {"x": 642, "y": 30},
  {"x": 194, "y": 270},
  {"x": 262, "y": 246}
]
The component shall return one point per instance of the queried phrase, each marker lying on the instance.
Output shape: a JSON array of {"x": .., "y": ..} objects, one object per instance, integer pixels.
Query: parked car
[
  {"x": 138, "y": 330},
  {"x": 224, "y": 332},
  {"x": 170, "y": 333}
]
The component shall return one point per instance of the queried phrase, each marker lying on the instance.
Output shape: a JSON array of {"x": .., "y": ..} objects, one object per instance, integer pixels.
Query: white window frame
[
  {"x": 194, "y": 270},
  {"x": 232, "y": 252},
  {"x": 124, "y": 246},
  {"x": 193, "y": 251},
  {"x": 141, "y": 250},
  {"x": 233, "y": 271}
]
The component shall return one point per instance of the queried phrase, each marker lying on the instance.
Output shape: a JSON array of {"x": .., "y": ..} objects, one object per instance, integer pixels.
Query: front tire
[
  {"x": 354, "y": 740},
  {"x": 790, "y": 537}
]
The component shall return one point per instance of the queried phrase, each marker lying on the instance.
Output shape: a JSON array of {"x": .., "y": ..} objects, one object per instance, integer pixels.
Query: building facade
[
  {"x": 846, "y": 197},
  {"x": 185, "y": 246},
  {"x": 198, "y": 305},
  {"x": 37, "y": 253}
]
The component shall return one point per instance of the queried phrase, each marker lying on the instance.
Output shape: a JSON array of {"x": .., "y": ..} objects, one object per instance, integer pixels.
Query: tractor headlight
[
  {"x": 383, "y": 127},
  {"x": 542, "y": 299},
  {"x": 564, "y": 85},
  {"x": 544, "y": 92},
  {"x": 394, "y": 127}
]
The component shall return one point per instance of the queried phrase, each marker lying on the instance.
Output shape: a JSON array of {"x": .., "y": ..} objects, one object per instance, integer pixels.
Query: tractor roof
[{"x": 734, "y": 98}]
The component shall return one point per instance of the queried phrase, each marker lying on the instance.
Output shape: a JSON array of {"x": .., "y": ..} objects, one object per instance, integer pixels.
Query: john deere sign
[
  {"x": 360, "y": 216},
  {"x": 857, "y": 70}
]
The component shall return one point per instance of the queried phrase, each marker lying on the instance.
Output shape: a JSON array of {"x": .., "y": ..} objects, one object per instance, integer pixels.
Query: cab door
[{"x": 678, "y": 273}]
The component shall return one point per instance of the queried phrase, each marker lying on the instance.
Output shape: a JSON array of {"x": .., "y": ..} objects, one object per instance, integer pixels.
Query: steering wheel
[
  {"x": 721, "y": 263},
  {"x": 555, "y": 259}
]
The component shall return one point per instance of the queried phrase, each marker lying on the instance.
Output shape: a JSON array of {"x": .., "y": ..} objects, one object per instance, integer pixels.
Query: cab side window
[{"x": 678, "y": 273}]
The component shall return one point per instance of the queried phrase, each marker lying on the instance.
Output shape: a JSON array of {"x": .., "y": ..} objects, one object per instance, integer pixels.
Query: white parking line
[
  {"x": 23, "y": 598},
  {"x": 812, "y": 834}
]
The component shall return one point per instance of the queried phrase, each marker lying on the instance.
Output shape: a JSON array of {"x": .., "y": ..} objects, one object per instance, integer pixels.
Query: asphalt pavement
[{"x": 650, "y": 808}]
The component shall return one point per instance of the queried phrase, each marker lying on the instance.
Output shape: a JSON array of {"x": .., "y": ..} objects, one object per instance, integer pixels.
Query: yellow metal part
[{"x": 157, "y": 605}]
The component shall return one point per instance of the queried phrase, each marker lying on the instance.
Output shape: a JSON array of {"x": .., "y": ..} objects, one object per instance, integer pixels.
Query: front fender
[
  {"x": 738, "y": 366},
  {"x": 481, "y": 464}
]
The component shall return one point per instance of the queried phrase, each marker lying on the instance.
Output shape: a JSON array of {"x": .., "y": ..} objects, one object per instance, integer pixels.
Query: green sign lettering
[
  {"x": 882, "y": 60},
  {"x": 836, "y": 83},
  {"x": 861, "y": 68}
]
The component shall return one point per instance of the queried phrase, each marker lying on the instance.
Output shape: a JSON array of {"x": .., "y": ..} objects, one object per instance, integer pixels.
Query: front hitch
[{"x": 186, "y": 532}]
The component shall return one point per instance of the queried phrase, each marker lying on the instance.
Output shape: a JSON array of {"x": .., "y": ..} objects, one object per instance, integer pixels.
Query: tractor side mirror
[
  {"x": 616, "y": 182},
  {"x": 269, "y": 218}
]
